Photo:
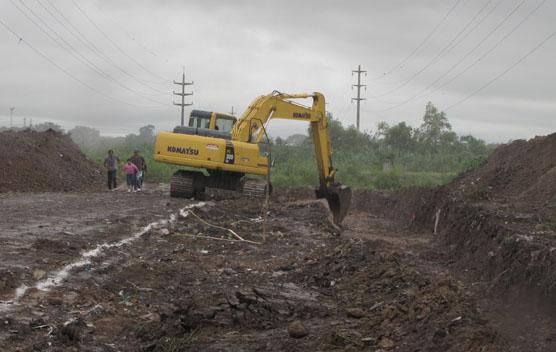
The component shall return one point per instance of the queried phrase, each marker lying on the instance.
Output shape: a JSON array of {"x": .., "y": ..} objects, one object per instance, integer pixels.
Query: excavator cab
[
  {"x": 208, "y": 124},
  {"x": 211, "y": 120}
]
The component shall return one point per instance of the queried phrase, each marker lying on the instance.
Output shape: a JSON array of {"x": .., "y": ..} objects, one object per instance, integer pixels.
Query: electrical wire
[
  {"x": 496, "y": 45},
  {"x": 488, "y": 52},
  {"x": 500, "y": 75},
  {"x": 77, "y": 34},
  {"x": 421, "y": 44},
  {"x": 163, "y": 79},
  {"x": 66, "y": 72},
  {"x": 68, "y": 47},
  {"x": 128, "y": 34},
  {"x": 451, "y": 45}
]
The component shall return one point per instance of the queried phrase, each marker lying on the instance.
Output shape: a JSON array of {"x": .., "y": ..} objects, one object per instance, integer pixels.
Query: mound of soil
[
  {"x": 522, "y": 172},
  {"x": 496, "y": 227},
  {"x": 45, "y": 162}
]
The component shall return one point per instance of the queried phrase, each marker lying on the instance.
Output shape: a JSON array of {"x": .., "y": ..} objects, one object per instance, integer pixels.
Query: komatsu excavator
[{"x": 228, "y": 149}]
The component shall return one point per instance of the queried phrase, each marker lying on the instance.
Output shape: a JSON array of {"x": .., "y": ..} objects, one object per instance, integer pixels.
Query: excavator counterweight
[{"x": 228, "y": 149}]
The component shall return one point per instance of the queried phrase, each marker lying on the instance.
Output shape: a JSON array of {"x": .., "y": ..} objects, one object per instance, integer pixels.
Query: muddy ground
[{"x": 113, "y": 271}]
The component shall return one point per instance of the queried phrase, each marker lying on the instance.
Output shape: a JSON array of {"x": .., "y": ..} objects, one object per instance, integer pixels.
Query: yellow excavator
[{"x": 228, "y": 149}]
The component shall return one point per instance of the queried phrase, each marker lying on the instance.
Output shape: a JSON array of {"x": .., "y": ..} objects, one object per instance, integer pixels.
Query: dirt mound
[
  {"x": 44, "y": 161},
  {"x": 496, "y": 227},
  {"x": 522, "y": 172}
]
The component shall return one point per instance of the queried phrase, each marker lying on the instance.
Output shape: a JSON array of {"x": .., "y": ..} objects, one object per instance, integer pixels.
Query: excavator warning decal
[{"x": 229, "y": 158}]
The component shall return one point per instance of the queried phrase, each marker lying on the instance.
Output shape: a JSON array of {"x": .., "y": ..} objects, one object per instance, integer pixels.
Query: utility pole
[
  {"x": 358, "y": 85},
  {"x": 12, "y": 117},
  {"x": 232, "y": 112},
  {"x": 183, "y": 94}
]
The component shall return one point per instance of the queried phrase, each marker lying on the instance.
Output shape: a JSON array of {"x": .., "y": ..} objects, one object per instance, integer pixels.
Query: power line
[
  {"x": 76, "y": 33},
  {"x": 529, "y": 53},
  {"x": 66, "y": 72},
  {"x": 57, "y": 38},
  {"x": 115, "y": 44},
  {"x": 495, "y": 29},
  {"x": 423, "y": 42},
  {"x": 488, "y": 52},
  {"x": 451, "y": 45},
  {"x": 131, "y": 36}
]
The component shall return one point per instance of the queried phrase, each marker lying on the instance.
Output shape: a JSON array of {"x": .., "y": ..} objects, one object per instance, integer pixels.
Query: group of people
[{"x": 134, "y": 169}]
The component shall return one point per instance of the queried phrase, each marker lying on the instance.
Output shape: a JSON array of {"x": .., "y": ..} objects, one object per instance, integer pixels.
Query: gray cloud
[{"x": 236, "y": 50}]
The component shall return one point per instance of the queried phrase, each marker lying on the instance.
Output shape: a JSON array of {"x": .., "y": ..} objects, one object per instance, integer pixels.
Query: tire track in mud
[{"x": 57, "y": 277}]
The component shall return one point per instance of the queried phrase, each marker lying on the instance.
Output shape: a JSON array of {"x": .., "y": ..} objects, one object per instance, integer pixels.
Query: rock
[
  {"x": 368, "y": 341},
  {"x": 355, "y": 313},
  {"x": 72, "y": 330},
  {"x": 55, "y": 300},
  {"x": 297, "y": 330},
  {"x": 386, "y": 343},
  {"x": 97, "y": 310},
  {"x": 151, "y": 317},
  {"x": 39, "y": 274},
  {"x": 229, "y": 271}
]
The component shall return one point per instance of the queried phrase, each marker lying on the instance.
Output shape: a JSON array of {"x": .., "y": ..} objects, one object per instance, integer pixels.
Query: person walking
[
  {"x": 131, "y": 171},
  {"x": 111, "y": 165},
  {"x": 141, "y": 164}
]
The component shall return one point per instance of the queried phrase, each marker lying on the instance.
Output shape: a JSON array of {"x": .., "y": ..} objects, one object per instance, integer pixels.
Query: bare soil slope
[
  {"x": 522, "y": 172},
  {"x": 43, "y": 162}
]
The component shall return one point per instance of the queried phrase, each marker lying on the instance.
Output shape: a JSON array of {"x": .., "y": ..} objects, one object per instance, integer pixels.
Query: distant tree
[
  {"x": 474, "y": 145},
  {"x": 435, "y": 125},
  {"x": 85, "y": 137},
  {"x": 278, "y": 141},
  {"x": 146, "y": 133},
  {"x": 296, "y": 139},
  {"x": 344, "y": 138},
  {"x": 399, "y": 137},
  {"x": 381, "y": 129}
]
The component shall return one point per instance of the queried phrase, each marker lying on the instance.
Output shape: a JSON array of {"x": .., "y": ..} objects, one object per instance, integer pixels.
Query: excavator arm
[{"x": 251, "y": 129}]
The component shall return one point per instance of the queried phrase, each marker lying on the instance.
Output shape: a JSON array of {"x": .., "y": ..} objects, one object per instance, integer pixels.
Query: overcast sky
[{"x": 237, "y": 50}]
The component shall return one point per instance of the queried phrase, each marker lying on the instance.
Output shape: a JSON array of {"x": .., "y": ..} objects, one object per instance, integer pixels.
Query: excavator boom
[{"x": 280, "y": 106}]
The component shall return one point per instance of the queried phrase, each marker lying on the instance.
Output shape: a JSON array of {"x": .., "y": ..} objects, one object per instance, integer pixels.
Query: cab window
[
  {"x": 199, "y": 122},
  {"x": 224, "y": 124}
]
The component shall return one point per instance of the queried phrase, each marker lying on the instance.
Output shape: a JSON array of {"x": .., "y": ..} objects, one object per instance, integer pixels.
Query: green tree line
[{"x": 391, "y": 157}]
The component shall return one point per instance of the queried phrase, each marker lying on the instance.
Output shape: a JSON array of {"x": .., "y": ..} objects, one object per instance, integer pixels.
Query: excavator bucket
[{"x": 339, "y": 199}]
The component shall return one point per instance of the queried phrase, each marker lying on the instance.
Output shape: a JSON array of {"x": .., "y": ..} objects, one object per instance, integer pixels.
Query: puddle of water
[{"x": 57, "y": 278}]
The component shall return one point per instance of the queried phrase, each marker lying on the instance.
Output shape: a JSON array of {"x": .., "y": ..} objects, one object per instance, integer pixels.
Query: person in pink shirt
[{"x": 130, "y": 170}]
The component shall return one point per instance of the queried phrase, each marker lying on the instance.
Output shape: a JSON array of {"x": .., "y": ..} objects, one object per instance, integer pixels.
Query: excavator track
[
  {"x": 182, "y": 185},
  {"x": 254, "y": 189}
]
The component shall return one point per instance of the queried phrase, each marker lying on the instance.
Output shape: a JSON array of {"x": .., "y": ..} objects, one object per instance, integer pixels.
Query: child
[{"x": 130, "y": 170}]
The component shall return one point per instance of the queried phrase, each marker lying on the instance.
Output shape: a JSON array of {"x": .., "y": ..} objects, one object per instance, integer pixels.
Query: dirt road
[{"x": 113, "y": 271}]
